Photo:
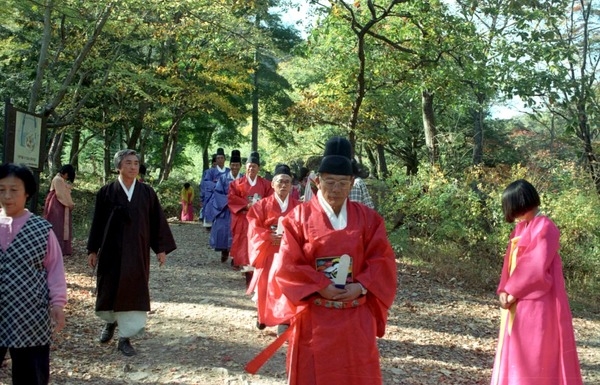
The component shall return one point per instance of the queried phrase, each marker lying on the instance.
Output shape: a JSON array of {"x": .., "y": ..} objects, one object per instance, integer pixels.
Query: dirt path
[{"x": 201, "y": 330}]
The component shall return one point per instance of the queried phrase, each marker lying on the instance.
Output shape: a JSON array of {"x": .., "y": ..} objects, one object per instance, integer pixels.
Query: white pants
[{"x": 131, "y": 323}]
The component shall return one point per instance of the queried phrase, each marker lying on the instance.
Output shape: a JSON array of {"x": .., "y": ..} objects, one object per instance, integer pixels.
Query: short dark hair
[
  {"x": 186, "y": 185},
  {"x": 69, "y": 170},
  {"x": 518, "y": 198},
  {"x": 22, "y": 172}
]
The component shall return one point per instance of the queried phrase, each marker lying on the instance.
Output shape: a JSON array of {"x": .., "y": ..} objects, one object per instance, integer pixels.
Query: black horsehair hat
[
  {"x": 235, "y": 157},
  {"x": 220, "y": 151},
  {"x": 254, "y": 158},
  {"x": 282, "y": 169},
  {"x": 336, "y": 157}
]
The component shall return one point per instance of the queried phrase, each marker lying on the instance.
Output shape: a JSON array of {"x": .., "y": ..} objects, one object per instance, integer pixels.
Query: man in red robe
[
  {"x": 243, "y": 193},
  {"x": 332, "y": 336},
  {"x": 264, "y": 236}
]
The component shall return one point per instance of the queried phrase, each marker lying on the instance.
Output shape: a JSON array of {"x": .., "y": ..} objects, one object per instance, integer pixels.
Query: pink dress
[
  {"x": 187, "y": 204},
  {"x": 58, "y": 213},
  {"x": 536, "y": 344}
]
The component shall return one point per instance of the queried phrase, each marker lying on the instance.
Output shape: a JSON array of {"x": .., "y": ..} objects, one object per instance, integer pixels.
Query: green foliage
[
  {"x": 169, "y": 196},
  {"x": 456, "y": 224}
]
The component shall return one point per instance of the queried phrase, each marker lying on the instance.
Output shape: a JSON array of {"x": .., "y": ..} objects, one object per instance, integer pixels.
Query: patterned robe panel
[{"x": 24, "y": 293}]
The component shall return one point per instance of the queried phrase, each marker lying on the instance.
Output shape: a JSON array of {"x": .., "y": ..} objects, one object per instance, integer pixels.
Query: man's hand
[
  {"x": 162, "y": 257},
  {"x": 92, "y": 259},
  {"x": 330, "y": 292},
  {"x": 351, "y": 292}
]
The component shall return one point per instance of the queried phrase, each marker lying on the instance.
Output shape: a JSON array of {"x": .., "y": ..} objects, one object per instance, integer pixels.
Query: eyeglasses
[
  {"x": 283, "y": 181},
  {"x": 332, "y": 183}
]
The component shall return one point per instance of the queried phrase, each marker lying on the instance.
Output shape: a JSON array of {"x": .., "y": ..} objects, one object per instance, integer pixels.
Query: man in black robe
[{"x": 128, "y": 222}]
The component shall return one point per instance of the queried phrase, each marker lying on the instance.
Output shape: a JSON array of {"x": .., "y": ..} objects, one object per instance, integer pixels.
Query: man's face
[
  {"x": 220, "y": 160},
  {"x": 282, "y": 184},
  {"x": 235, "y": 168},
  {"x": 129, "y": 167},
  {"x": 252, "y": 170},
  {"x": 335, "y": 188}
]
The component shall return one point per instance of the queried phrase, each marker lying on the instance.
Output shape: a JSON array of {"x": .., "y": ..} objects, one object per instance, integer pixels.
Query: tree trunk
[
  {"x": 429, "y": 126},
  {"x": 412, "y": 165},
  {"x": 255, "y": 110},
  {"x": 74, "y": 154},
  {"x": 255, "y": 90},
  {"x": 138, "y": 126},
  {"x": 360, "y": 89},
  {"x": 54, "y": 161},
  {"x": 373, "y": 161},
  {"x": 382, "y": 162},
  {"x": 206, "y": 159},
  {"x": 163, "y": 156},
  {"x": 108, "y": 164},
  {"x": 172, "y": 138},
  {"x": 477, "y": 136},
  {"x": 41, "y": 65},
  {"x": 588, "y": 148},
  {"x": 77, "y": 63}
]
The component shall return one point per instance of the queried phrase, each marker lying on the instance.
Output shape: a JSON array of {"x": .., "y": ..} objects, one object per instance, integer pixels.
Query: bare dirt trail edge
[{"x": 202, "y": 329}]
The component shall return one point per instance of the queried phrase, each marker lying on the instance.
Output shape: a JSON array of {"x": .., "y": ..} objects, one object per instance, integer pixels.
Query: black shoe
[
  {"x": 224, "y": 256},
  {"x": 125, "y": 347},
  {"x": 108, "y": 332},
  {"x": 248, "y": 275},
  {"x": 260, "y": 326}
]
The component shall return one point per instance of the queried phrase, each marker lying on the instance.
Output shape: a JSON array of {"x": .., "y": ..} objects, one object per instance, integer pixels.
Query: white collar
[
  {"x": 338, "y": 222},
  {"x": 129, "y": 191},
  {"x": 282, "y": 204},
  {"x": 250, "y": 181}
]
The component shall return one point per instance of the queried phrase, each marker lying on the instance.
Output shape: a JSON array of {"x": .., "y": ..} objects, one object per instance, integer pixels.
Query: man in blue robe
[
  {"x": 213, "y": 164},
  {"x": 216, "y": 208},
  {"x": 209, "y": 181}
]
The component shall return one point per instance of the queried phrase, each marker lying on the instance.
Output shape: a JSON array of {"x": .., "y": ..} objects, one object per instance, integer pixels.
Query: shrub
[{"x": 456, "y": 224}]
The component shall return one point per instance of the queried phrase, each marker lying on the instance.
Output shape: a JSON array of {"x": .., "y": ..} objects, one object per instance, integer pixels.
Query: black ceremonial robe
[{"x": 122, "y": 234}]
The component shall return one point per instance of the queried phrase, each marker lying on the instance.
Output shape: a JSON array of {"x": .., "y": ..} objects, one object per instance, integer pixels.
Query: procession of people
[{"x": 312, "y": 249}]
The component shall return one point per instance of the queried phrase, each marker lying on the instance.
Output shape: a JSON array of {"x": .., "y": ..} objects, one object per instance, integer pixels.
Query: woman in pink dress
[
  {"x": 187, "y": 203},
  {"x": 536, "y": 344},
  {"x": 58, "y": 208}
]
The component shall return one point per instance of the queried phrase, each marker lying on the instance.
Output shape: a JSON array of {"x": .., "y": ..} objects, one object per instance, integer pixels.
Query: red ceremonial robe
[
  {"x": 330, "y": 345},
  {"x": 536, "y": 344},
  {"x": 240, "y": 193},
  {"x": 261, "y": 217}
]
